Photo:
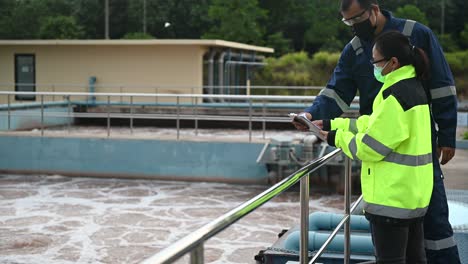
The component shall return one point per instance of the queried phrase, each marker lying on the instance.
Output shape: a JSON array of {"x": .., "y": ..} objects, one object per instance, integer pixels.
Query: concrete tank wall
[{"x": 171, "y": 160}]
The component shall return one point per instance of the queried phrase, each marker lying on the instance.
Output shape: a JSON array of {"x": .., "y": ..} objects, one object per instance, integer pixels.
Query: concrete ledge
[{"x": 130, "y": 158}]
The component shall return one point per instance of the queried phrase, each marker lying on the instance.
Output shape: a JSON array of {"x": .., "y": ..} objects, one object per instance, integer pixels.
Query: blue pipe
[
  {"x": 329, "y": 221},
  {"x": 360, "y": 244}
]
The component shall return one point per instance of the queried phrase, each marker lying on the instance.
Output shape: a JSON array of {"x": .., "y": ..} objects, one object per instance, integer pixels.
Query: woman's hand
[{"x": 324, "y": 133}]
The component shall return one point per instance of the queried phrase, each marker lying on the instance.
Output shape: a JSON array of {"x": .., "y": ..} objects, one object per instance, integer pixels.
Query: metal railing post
[
  {"x": 9, "y": 112},
  {"x": 196, "y": 116},
  {"x": 42, "y": 115},
  {"x": 131, "y": 114},
  {"x": 304, "y": 242},
  {"x": 156, "y": 97},
  {"x": 178, "y": 118},
  {"x": 196, "y": 255},
  {"x": 108, "y": 116},
  {"x": 68, "y": 114},
  {"x": 191, "y": 90},
  {"x": 347, "y": 194},
  {"x": 264, "y": 121},
  {"x": 250, "y": 119}
]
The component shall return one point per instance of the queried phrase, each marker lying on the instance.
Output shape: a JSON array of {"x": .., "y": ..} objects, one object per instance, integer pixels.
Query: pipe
[
  {"x": 328, "y": 221},
  {"x": 221, "y": 72},
  {"x": 251, "y": 61},
  {"x": 232, "y": 64},
  {"x": 360, "y": 244},
  {"x": 211, "y": 73}
]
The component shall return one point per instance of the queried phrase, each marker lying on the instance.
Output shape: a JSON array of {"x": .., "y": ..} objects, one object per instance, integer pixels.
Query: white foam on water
[
  {"x": 55, "y": 219},
  {"x": 190, "y": 133}
]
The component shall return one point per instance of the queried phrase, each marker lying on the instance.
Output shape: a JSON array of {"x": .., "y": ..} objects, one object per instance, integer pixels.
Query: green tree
[
  {"x": 281, "y": 44},
  {"x": 90, "y": 15},
  {"x": 6, "y": 8},
  {"x": 290, "y": 69},
  {"x": 188, "y": 18},
  {"x": 456, "y": 16},
  {"x": 464, "y": 37},
  {"x": 324, "y": 27},
  {"x": 60, "y": 27},
  {"x": 412, "y": 12},
  {"x": 448, "y": 43},
  {"x": 286, "y": 17},
  {"x": 22, "y": 19},
  {"x": 236, "y": 20}
]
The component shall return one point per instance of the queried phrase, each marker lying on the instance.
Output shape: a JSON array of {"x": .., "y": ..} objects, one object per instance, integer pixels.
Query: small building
[{"x": 126, "y": 66}]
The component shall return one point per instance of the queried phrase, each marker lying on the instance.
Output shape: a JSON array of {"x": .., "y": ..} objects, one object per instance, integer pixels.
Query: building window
[{"x": 25, "y": 76}]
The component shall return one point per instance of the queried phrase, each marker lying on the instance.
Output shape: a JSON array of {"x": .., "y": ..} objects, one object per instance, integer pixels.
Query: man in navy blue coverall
[{"x": 354, "y": 72}]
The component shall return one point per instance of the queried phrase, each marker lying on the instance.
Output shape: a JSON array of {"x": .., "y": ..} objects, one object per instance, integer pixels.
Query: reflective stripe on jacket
[{"x": 394, "y": 144}]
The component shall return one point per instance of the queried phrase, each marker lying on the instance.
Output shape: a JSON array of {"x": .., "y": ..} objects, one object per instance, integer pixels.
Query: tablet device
[{"x": 302, "y": 118}]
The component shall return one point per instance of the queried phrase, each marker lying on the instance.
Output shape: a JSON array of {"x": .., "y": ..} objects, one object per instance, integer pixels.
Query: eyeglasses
[
  {"x": 377, "y": 61},
  {"x": 355, "y": 19}
]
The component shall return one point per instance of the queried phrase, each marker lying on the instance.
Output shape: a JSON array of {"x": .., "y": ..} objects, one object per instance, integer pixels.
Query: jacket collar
[{"x": 405, "y": 72}]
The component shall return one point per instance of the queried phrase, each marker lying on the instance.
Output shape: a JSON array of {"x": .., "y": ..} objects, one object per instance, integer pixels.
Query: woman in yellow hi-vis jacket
[{"x": 394, "y": 144}]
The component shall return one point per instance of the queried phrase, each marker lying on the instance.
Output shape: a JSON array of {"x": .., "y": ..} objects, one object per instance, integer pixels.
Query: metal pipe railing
[
  {"x": 108, "y": 115},
  {"x": 54, "y": 86},
  {"x": 169, "y": 95},
  {"x": 304, "y": 223}
]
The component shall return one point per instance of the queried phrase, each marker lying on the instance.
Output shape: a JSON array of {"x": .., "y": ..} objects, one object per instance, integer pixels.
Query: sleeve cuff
[
  {"x": 443, "y": 142},
  {"x": 326, "y": 125},
  {"x": 331, "y": 138}
]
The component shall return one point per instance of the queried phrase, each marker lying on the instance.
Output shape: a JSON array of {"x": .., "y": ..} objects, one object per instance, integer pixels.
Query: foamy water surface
[{"x": 55, "y": 219}]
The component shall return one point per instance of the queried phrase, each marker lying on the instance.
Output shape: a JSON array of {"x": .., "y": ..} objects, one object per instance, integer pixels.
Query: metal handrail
[
  {"x": 185, "y": 95},
  {"x": 260, "y": 99},
  {"x": 194, "y": 242},
  {"x": 186, "y": 87}
]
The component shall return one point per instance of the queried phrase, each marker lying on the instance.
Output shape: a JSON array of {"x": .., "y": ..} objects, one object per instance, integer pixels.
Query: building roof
[{"x": 155, "y": 42}]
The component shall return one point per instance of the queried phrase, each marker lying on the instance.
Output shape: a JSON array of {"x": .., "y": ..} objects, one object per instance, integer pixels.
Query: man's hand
[
  {"x": 446, "y": 153},
  {"x": 300, "y": 126},
  {"x": 318, "y": 123}
]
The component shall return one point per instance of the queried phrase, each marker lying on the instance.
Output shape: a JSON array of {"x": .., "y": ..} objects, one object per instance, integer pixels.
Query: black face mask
[{"x": 364, "y": 30}]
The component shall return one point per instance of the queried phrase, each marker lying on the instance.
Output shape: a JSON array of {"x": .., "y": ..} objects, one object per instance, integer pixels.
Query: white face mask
[{"x": 378, "y": 72}]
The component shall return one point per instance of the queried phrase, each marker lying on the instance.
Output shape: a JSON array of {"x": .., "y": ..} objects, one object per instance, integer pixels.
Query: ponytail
[{"x": 421, "y": 63}]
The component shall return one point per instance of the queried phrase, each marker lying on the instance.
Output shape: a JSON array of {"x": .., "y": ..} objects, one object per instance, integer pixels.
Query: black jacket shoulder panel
[{"x": 408, "y": 92}]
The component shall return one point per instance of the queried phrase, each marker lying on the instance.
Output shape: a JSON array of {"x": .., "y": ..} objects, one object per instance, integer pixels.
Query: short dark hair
[{"x": 365, "y": 4}]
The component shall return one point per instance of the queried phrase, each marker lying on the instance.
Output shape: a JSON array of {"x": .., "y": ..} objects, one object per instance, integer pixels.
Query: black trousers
[{"x": 397, "y": 240}]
